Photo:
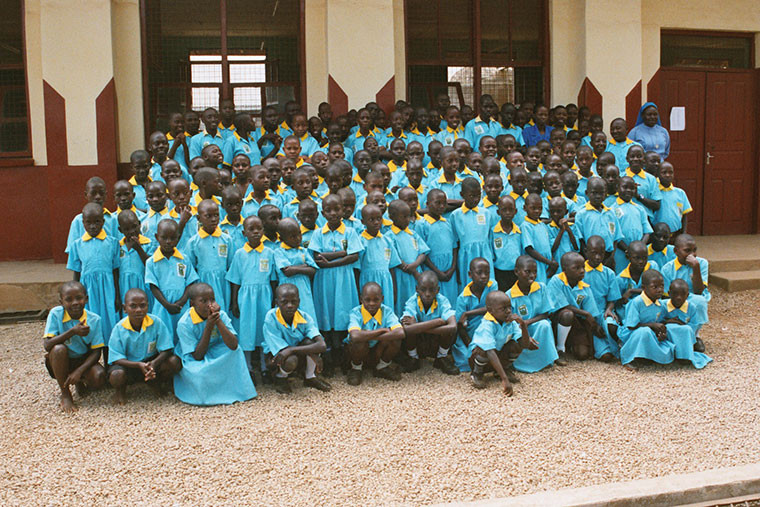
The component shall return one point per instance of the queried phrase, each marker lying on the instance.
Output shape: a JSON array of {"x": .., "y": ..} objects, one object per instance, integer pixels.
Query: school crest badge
[
  {"x": 387, "y": 254},
  {"x": 181, "y": 269},
  {"x": 498, "y": 243},
  {"x": 344, "y": 242},
  {"x": 263, "y": 265},
  {"x": 222, "y": 250},
  {"x": 522, "y": 310},
  {"x": 611, "y": 227},
  {"x": 579, "y": 299},
  {"x": 151, "y": 347},
  {"x": 479, "y": 129},
  {"x": 481, "y": 220},
  {"x": 619, "y": 212}
]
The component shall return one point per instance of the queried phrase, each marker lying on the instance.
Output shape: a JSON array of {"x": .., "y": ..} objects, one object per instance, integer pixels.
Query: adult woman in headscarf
[{"x": 649, "y": 132}]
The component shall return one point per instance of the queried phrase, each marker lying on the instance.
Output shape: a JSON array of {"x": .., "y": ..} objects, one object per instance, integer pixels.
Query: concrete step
[
  {"x": 726, "y": 265},
  {"x": 30, "y": 286},
  {"x": 734, "y": 281}
]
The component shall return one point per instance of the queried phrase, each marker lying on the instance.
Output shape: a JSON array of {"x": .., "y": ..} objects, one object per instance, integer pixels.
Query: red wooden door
[
  {"x": 687, "y": 89},
  {"x": 729, "y": 179}
]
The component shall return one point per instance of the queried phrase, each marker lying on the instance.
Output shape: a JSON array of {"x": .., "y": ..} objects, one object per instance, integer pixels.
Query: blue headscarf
[{"x": 640, "y": 118}]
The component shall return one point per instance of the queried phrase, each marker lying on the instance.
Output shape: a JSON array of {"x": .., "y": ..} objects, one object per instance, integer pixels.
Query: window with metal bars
[{"x": 14, "y": 115}]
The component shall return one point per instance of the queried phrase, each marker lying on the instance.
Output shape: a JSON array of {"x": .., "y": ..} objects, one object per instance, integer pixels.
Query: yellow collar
[
  {"x": 531, "y": 221},
  {"x": 226, "y": 221},
  {"x": 599, "y": 267},
  {"x": 146, "y": 323},
  {"x": 341, "y": 228},
  {"x": 563, "y": 276},
  {"x": 359, "y": 134},
  {"x": 82, "y": 319},
  {"x": 203, "y": 234},
  {"x": 432, "y": 220},
  {"x": 465, "y": 209},
  {"x": 366, "y": 316},
  {"x": 684, "y": 307},
  {"x": 664, "y": 188},
  {"x": 297, "y": 319},
  {"x": 651, "y": 250},
  {"x": 573, "y": 198},
  {"x": 248, "y": 248},
  {"x": 133, "y": 181},
  {"x": 515, "y": 291},
  {"x": 370, "y": 237},
  {"x": 626, "y": 273},
  {"x": 487, "y": 202},
  {"x": 197, "y": 319},
  {"x": 396, "y": 230},
  {"x": 443, "y": 179},
  {"x": 677, "y": 264},
  {"x": 267, "y": 238},
  {"x": 285, "y": 246},
  {"x": 164, "y": 211},
  {"x": 590, "y": 207},
  {"x": 632, "y": 174},
  {"x": 101, "y": 235},
  {"x": 140, "y": 238},
  {"x": 467, "y": 292},
  {"x": 358, "y": 179},
  {"x": 433, "y": 306},
  {"x": 500, "y": 228},
  {"x": 305, "y": 229},
  {"x": 158, "y": 255},
  {"x": 515, "y": 195},
  {"x": 647, "y": 301},
  {"x": 490, "y": 317}
]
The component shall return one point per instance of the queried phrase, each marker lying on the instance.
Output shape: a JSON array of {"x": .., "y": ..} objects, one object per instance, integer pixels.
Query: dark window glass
[
  {"x": 705, "y": 51},
  {"x": 14, "y": 121}
]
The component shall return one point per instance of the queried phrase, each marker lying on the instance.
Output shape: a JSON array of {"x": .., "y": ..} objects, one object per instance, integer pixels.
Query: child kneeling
[
  {"x": 292, "y": 339},
  {"x": 141, "y": 348}
]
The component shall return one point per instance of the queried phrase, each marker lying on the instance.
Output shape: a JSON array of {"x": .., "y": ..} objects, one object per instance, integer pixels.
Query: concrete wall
[{"x": 127, "y": 73}]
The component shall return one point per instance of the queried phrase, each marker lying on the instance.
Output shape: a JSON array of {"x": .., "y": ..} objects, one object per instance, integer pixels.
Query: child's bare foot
[
  {"x": 119, "y": 397},
  {"x": 607, "y": 358},
  {"x": 82, "y": 389},
  {"x": 67, "y": 403},
  {"x": 631, "y": 367}
]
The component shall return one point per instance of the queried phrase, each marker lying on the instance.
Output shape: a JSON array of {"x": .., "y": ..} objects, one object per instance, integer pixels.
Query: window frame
[{"x": 710, "y": 33}]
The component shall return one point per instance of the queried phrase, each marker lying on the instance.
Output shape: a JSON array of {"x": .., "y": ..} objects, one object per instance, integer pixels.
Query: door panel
[
  {"x": 729, "y": 179},
  {"x": 687, "y": 89}
]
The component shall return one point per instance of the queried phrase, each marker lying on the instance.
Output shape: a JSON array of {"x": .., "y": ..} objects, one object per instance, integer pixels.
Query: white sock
[
  {"x": 281, "y": 373},
  {"x": 355, "y": 366},
  {"x": 442, "y": 352},
  {"x": 413, "y": 353},
  {"x": 381, "y": 364},
  {"x": 562, "y": 332},
  {"x": 311, "y": 367},
  {"x": 248, "y": 360}
]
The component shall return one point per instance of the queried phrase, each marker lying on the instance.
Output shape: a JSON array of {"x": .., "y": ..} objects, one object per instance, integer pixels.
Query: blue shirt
[
  {"x": 506, "y": 246},
  {"x": 76, "y": 229},
  {"x": 235, "y": 145},
  {"x": 498, "y": 129},
  {"x": 279, "y": 335},
  {"x": 662, "y": 257},
  {"x": 251, "y": 206},
  {"x": 632, "y": 220},
  {"x": 590, "y": 221},
  {"x": 477, "y": 129},
  {"x": 169, "y": 274},
  {"x": 532, "y": 136},
  {"x": 561, "y": 295},
  {"x": 447, "y": 135},
  {"x": 673, "y": 206},
  {"x": 654, "y": 138},
  {"x": 687, "y": 313},
  {"x": 467, "y": 301},
  {"x": 379, "y": 252},
  {"x": 648, "y": 187},
  {"x": 210, "y": 253},
  {"x": 90, "y": 255},
  {"x": 439, "y": 309},
  {"x": 565, "y": 245},
  {"x": 625, "y": 281},
  {"x": 59, "y": 321},
  {"x": 603, "y": 285},
  {"x": 138, "y": 345},
  {"x": 203, "y": 139},
  {"x": 252, "y": 266},
  {"x": 620, "y": 150},
  {"x": 640, "y": 310},
  {"x": 493, "y": 335},
  {"x": 235, "y": 232},
  {"x": 409, "y": 244},
  {"x": 535, "y": 302},
  {"x": 361, "y": 319},
  {"x": 267, "y": 147},
  {"x": 674, "y": 269}
]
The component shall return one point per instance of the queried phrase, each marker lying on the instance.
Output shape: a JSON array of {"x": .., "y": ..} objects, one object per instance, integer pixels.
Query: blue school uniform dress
[
  {"x": 139, "y": 345},
  {"x": 582, "y": 185},
  {"x": 190, "y": 230},
  {"x": 471, "y": 229},
  {"x": 361, "y": 320},
  {"x": 203, "y": 139},
  {"x": 149, "y": 224},
  {"x": 642, "y": 342},
  {"x": 590, "y": 221},
  {"x": 155, "y": 174},
  {"x": 476, "y": 129},
  {"x": 171, "y": 275},
  {"x": 285, "y": 256},
  {"x": 565, "y": 245},
  {"x": 306, "y": 235},
  {"x": 235, "y": 145},
  {"x": 493, "y": 335},
  {"x": 498, "y": 129},
  {"x": 211, "y": 256},
  {"x": 684, "y": 336},
  {"x": 465, "y": 302},
  {"x": 439, "y": 237},
  {"x": 674, "y": 269},
  {"x": 251, "y": 206},
  {"x": 140, "y": 200},
  {"x": 179, "y": 154},
  {"x": 376, "y": 260},
  {"x": 648, "y": 187},
  {"x": 625, "y": 282},
  {"x": 661, "y": 257},
  {"x": 605, "y": 288},
  {"x": 536, "y": 235},
  {"x": 132, "y": 269},
  {"x": 76, "y": 229},
  {"x": 284, "y": 130},
  {"x": 574, "y": 203},
  {"x": 633, "y": 225},
  {"x": 519, "y": 217},
  {"x": 308, "y": 146},
  {"x": 59, "y": 321},
  {"x": 355, "y": 141},
  {"x": 95, "y": 258},
  {"x": 452, "y": 190},
  {"x": 561, "y": 294},
  {"x": 235, "y": 232},
  {"x": 221, "y": 377},
  {"x": 620, "y": 150},
  {"x": 226, "y": 132},
  {"x": 279, "y": 335},
  {"x": 267, "y": 147},
  {"x": 440, "y": 308},
  {"x": 492, "y": 209},
  {"x": 655, "y": 138},
  {"x": 253, "y": 270},
  {"x": 673, "y": 206},
  {"x": 531, "y": 134},
  {"x": 448, "y": 135},
  {"x": 335, "y": 288},
  {"x": 290, "y": 208},
  {"x": 409, "y": 246},
  {"x": 527, "y": 306},
  {"x": 506, "y": 246}
]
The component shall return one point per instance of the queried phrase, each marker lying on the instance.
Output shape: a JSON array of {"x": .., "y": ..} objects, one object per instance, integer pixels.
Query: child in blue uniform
[
  {"x": 374, "y": 336},
  {"x": 492, "y": 187},
  {"x": 336, "y": 249},
  {"x": 604, "y": 286},
  {"x": 438, "y": 234},
  {"x": 648, "y": 189},
  {"x": 536, "y": 239},
  {"x": 660, "y": 250},
  {"x": 695, "y": 271},
  {"x": 291, "y": 339},
  {"x": 270, "y": 220},
  {"x": 141, "y": 348},
  {"x": 530, "y": 301},
  {"x": 155, "y": 193},
  {"x": 232, "y": 202},
  {"x": 295, "y": 265},
  {"x": 632, "y": 219},
  {"x": 471, "y": 226},
  {"x": 574, "y": 309},
  {"x": 411, "y": 249},
  {"x": 683, "y": 322},
  {"x": 251, "y": 277},
  {"x": 302, "y": 185},
  {"x": 124, "y": 197},
  {"x": 379, "y": 258},
  {"x": 562, "y": 232},
  {"x": 94, "y": 192},
  {"x": 134, "y": 251},
  {"x": 139, "y": 162},
  {"x": 495, "y": 342},
  {"x": 596, "y": 219},
  {"x": 429, "y": 320},
  {"x": 470, "y": 308},
  {"x": 213, "y": 364},
  {"x": 73, "y": 340},
  {"x": 449, "y": 181},
  {"x": 675, "y": 205},
  {"x": 211, "y": 252},
  {"x": 507, "y": 243},
  {"x": 94, "y": 259},
  {"x": 169, "y": 276},
  {"x": 182, "y": 213},
  {"x": 307, "y": 217},
  {"x": 261, "y": 194}
]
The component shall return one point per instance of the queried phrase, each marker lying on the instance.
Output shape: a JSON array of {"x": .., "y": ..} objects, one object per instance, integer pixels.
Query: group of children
[{"x": 241, "y": 253}]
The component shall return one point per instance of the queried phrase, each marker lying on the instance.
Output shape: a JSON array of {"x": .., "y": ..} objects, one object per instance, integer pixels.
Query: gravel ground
[{"x": 429, "y": 438}]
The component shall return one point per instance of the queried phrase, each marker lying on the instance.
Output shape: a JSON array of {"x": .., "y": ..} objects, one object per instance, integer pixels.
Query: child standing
[
  {"x": 213, "y": 365},
  {"x": 232, "y": 202},
  {"x": 471, "y": 226},
  {"x": 139, "y": 161},
  {"x": 94, "y": 192},
  {"x": 437, "y": 233},
  {"x": 412, "y": 252},
  {"x": 470, "y": 308},
  {"x": 536, "y": 239},
  {"x": 379, "y": 258},
  {"x": 606, "y": 293},
  {"x": 675, "y": 205},
  {"x": 562, "y": 232},
  {"x": 155, "y": 193},
  {"x": 634, "y": 225},
  {"x": 596, "y": 219},
  {"x": 295, "y": 265},
  {"x": 134, "y": 251},
  {"x": 508, "y": 244}
]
